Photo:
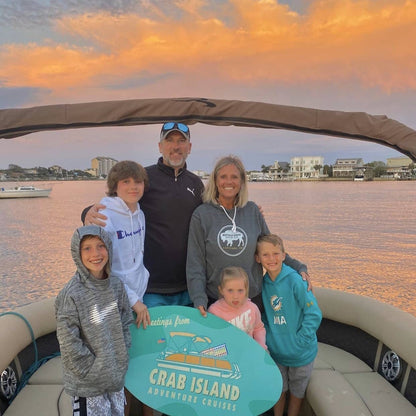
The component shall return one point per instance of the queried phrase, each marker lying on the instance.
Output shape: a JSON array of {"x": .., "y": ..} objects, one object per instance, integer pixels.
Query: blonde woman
[{"x": 223, "y": 232}]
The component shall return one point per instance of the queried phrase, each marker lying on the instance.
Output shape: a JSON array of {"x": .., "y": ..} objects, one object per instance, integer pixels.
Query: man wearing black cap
[{"x": 173, "y": 194}]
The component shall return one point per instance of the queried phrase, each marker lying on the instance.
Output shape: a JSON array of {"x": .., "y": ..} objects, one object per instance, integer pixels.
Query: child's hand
[
  {"x": 305, "y": 276},
  {"x": 143, "y": 316},
  {"x": 202, "y": 310}
]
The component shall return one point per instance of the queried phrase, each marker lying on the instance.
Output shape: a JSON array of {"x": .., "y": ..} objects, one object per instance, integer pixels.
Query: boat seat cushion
[
  {"x": 329, "y": 393},
  {"x": 14, "y": 333},
  {"x": 379, "y": 395},
  {"x": 343, "y": 385},
  {"x": 42, "y": 400},
  {"x": 49, "y": 373},
  {"x": 334, "y": 358}
]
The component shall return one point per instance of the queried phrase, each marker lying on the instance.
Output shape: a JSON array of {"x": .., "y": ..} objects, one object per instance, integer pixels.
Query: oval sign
[{"x": 186, "y": 365}]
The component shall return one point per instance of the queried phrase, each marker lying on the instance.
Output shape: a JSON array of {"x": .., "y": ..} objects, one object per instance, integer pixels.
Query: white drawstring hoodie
[{"x": 127, "y": 231}]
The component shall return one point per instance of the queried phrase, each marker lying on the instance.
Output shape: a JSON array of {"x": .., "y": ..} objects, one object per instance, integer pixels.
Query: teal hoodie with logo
[{"x": 291, "y": 317}]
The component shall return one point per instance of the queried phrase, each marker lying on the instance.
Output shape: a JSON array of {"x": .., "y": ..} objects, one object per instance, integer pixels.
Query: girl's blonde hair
[
  {"x": 123, "y": 170},
  {"x": 211, "y": 191},
  {"x": 232, "y": 273}
]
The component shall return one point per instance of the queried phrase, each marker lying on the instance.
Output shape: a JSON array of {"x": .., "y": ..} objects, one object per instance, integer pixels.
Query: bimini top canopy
[{"x": 352, "y": 125}]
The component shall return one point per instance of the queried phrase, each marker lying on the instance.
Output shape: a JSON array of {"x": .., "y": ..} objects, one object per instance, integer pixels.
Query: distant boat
[{"x": 24, "y": 192}]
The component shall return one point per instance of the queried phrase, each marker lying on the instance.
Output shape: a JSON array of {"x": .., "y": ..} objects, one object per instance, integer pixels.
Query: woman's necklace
[{"x": 234, "y": 228}]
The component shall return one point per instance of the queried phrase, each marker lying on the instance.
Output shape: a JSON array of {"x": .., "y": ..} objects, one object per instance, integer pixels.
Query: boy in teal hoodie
[{"x": 291, "y": 317}]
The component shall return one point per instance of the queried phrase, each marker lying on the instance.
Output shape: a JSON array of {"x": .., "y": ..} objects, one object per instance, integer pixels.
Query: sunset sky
[{"x": 330, "y": 54}]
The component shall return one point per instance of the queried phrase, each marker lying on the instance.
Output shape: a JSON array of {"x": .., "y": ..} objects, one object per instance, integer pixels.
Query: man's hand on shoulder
[{"x": 93, "y": 216}]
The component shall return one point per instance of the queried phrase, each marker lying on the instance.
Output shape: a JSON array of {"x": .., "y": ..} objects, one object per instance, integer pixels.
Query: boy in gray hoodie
[{"x": 93, "y": 318}]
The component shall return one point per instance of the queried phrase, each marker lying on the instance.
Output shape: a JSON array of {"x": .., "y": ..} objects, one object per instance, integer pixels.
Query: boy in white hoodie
[{"x": 126, "y": 183}]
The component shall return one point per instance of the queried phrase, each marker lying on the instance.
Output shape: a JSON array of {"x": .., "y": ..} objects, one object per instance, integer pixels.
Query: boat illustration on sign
[{"x": 193, "y": 353}]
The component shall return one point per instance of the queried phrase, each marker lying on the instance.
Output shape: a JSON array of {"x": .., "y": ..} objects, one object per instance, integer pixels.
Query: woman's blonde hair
[
  {"x": 123, "y": 170},
  {"x": 232, "y": 273},
  {"x": 211, "y": 191}
]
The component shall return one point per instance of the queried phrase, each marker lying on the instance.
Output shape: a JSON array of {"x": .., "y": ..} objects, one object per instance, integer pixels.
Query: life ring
[
  {"x": 391, "y": 366},
  {"x": 8, "y": 383}
]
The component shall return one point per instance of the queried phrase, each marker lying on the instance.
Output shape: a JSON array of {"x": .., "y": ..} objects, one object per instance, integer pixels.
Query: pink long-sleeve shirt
[{"x": 247, "y": 318}]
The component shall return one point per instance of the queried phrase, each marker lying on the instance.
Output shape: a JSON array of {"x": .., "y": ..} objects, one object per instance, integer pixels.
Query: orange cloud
[{"x": 250, "y": 41}]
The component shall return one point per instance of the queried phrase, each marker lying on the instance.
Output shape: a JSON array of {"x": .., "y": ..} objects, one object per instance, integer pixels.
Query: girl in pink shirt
[{"x": 235, "y": 307}]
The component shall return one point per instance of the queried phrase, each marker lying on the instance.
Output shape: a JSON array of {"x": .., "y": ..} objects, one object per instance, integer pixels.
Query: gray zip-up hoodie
[
  {"x": 219, "y": 239},
  {"x": 93, "y": 318}
]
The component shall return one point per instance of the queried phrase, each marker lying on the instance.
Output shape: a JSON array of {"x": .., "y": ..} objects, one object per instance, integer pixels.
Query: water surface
[{"x": 355, "y": 236}]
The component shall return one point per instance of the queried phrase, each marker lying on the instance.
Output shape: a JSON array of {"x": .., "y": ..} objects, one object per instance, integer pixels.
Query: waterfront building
[
  {"x": 56, "y": 170},
  {"x": 102, "y": 165},
  {"x": 201, "y": 173},
  {"x": 398, "y": 167},
  {"x": 306, "y": 167},
  {"x": 280, "y": 171},
  {"x": 256, "y": 176},
  {"x": 92, "y": 172},
  {"x": 348, "y": 168}
]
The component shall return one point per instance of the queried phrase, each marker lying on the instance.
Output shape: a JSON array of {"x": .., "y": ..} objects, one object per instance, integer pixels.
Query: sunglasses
[{"x": 173, "y": 125}]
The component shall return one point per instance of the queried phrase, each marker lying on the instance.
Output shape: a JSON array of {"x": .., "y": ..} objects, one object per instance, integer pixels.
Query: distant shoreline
[{"x": 260, "y": 181}]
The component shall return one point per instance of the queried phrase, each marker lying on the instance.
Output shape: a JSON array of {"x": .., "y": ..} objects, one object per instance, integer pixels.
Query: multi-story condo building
[
  {"x": 306, "y": 167},
  {"x": 347, "y": 168},
  {"x": 102, "y": 165}
]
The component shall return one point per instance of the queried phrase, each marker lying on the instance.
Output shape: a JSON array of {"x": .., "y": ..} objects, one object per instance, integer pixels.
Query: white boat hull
[{"x": 30, "y": 193}]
